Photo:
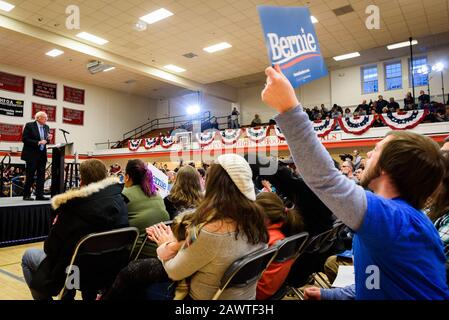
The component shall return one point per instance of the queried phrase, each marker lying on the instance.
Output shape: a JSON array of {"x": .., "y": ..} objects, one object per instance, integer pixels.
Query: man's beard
[{"x": 369, "y": 174}]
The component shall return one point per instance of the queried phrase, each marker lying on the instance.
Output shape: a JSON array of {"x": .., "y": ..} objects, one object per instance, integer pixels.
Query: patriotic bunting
[
  {"x": 150, "y": 143},
  {"x": 279, "y": 133},
  {"x": 257, "y": 134},
  {"x": 133, "y": 145},
  {"x": 205, "y": 138},
  {"x": 230, "y": 136},
  {"x": 357, "y": 125},
  {"x": 323, "y": 127},
  {"x": 404, "y": 120},
  {"x": 167, "y": 142}
]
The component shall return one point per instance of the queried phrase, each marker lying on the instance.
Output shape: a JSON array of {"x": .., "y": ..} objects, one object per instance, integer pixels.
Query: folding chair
[
  {"x": 246, "y": 270},
  {"x": 144, "y": 238},
  {"x": 288, "y": 248},
  {"x": 100, "y": 256}
]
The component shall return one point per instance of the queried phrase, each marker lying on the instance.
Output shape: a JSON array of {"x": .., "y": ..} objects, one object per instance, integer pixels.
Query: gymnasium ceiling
[{"x": 197, "y": 24}]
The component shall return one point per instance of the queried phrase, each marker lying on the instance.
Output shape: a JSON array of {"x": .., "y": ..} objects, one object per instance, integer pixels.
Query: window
[
  {"x": 419, "y": 79},
  {"x": 369, "y": 79},
  {"x": 393, "y": 75}
]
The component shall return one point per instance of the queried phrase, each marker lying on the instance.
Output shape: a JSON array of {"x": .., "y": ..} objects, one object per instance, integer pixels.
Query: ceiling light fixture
[
  {"x": 109, "y": 69},
  {"x": 54, "y": 53},
  {"x": 92, "y": 38},
  {"x": 314, "y": 20},
  {"x": 401, "y": 44},
  {"x": 174, "y": 68},
  {"x": 217, "y": 47},
  {"x": 5, "y": 6},
  {"x": 347, "y": 56},
  {"x": 156, "y": 16}
]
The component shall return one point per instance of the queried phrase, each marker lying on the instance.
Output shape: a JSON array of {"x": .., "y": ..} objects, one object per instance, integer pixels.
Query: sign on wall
[
  {"x": 11, "y": 107},
  {"x": 10, "y": 132},
  {"x": 12, "y": 82},
  {"x": 73, "y": 95},
  {"x": 73, "y": 116},
  {"x": 291, "y": 42},
  {"x": 49, "y": 110},
  {"x": 44, "y": 89}
]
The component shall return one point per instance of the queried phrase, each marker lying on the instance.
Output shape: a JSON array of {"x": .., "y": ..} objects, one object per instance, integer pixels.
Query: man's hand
[
  {"x": 278, "y": 92},
  {"x": 44, "y": 142},
  {"x": 312, "y": 293}
]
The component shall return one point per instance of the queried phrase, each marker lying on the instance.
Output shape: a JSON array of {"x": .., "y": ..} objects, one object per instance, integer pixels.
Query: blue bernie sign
[{"x": 292, "y": 43}]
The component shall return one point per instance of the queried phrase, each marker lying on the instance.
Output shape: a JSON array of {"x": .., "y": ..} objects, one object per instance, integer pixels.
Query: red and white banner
[
  {"x": 230, "y": 136},
  {"x": 72, "y": 116},
  {"x": 279, "y": 133},
  {"x": 11, "y": 132},
  {"x": 49, "y": 110},
  {"x": 74, "y": 95},
  {"x": 150, "y": 142},
  {"x": 356, "y": 125},
  {"x": 205, "y": 138},
  {"x": 167, "y": 142},
  {"x": 44, "y": 89},
  {"x": 404, "y": 120},
  {"x": 12, "y": 82}
]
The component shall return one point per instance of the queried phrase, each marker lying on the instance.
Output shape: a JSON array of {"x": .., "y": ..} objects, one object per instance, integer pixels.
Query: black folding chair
[
  {"x": 289, "y": 248},
  {"x": 99, "y": 257},
  {"x": 246, "y": 270}
]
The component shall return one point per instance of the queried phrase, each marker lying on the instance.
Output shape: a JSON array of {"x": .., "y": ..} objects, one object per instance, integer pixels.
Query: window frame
[
  {"x": 362, "y": 78},
  {"x": 410, "y": 75},
  {"x": 386, "y": 78}
]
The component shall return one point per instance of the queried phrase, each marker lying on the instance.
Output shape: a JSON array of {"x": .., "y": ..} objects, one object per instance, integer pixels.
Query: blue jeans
[{"x": 31, "y": 260}]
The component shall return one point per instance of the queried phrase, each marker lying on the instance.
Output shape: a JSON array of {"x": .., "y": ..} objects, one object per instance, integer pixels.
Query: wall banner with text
[
  {"x": 44, "y": 89},
  {"x": 11, "y": 107},
  {"x": 49, "y": 110},
  {"x": 73, "y": 116},
  {"x": 12, "y": 82}
]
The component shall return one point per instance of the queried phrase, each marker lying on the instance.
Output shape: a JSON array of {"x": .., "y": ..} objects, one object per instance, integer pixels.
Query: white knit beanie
[{"x": 240, "y": 172}]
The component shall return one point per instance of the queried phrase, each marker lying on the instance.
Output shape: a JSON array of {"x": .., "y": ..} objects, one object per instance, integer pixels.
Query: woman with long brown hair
[
  {"x": 281, "y": 222},
  {"x": 186, "y": 192},
  {"x": 229, "y": 225}
]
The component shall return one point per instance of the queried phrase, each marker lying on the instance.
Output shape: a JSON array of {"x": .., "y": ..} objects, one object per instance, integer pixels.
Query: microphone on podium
[{"x": 64, "y": 132}]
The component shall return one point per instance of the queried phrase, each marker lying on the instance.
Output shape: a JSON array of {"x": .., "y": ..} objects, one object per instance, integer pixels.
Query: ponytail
[
  {"x": 142, "y": 176},
  {"x": 147, "y": 183}
]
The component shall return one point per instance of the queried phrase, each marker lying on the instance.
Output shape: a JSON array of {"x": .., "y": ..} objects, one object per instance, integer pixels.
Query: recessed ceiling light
[
  {"x": 156, "y": 16},
  {"x": 401, "y": 44},
  {"x": 5, "y": 6},
  {"x": 92, "y": 38},
  {"x": 109, "y": 69},
  {"x": 54, "y": 53},
  {"x": 174, "y": 68},
  {"x": 347, "y": 56},
  {"x": 217, "y": 47},
  {"x": 314, "y": 20}
]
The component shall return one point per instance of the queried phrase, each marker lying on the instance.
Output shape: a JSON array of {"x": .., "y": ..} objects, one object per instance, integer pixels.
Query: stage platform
[{"x": 23, "y": 221}]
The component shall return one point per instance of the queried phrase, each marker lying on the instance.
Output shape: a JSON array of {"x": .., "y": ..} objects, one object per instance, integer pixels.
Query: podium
[{"x": 59, "y": 151}]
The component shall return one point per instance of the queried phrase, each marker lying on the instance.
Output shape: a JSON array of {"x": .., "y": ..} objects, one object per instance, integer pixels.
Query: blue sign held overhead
[{"x": 292, "y": 43}]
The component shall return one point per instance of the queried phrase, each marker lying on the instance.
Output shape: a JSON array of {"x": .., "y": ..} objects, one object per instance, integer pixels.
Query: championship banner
[
  {"x": 44, "y": 89},
  {"x": 292, "y": 43},
  {"x": 11, "y": 132},
  {"x": 11, "y": 107},
  {"x": 12, "y": 82},
  {"x": 404, "y": 120},
  {"x": 357, "y": 125},
  {"x": 72, "y": 116},
  {"x": 160, "y": 180},
  {"x": 49, "y": 110},
  {"x": 73, "y": 95}
]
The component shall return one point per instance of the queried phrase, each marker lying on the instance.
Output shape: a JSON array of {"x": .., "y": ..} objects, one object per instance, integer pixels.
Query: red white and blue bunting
[
  {"x": 279, "y": 133},
  {"x": 404, "y": 120},
  {"x": 257, "y": 134},
  {"x": 151, "y": 142},
  {"x": 205, "y": 138},
  {"x": 167, "y": 142},
  {"x": 357, "y": 125},
  {"x": 133, "y": 145},
  {"x": 230, "y": 136},
  {"x": 323, "y": 127}
]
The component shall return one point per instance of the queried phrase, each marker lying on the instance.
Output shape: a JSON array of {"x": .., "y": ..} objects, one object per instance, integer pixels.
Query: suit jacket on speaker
[{"x": 30, "y": 139}]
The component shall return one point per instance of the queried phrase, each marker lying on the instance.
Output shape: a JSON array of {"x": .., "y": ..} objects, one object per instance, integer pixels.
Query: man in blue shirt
[{"x": 397, "y": 251}]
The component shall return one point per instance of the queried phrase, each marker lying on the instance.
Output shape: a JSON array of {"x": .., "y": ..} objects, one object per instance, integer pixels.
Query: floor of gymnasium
[{"x": 12, "y": 283}]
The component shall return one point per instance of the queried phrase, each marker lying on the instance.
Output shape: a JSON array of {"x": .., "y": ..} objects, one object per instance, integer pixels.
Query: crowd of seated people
[{"x": 13, "y": 180}]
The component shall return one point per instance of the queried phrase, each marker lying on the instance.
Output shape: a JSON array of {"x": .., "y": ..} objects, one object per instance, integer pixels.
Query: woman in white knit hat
[{"x": 231, "y": 225}]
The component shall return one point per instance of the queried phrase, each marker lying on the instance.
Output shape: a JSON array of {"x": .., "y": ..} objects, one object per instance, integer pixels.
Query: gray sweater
[
  {"x": 342, "y": 196},
  {"x": 206, "y": 260}
]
